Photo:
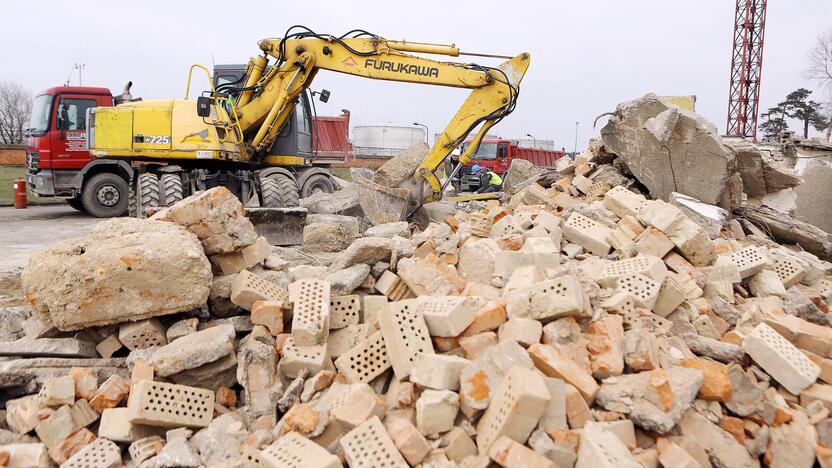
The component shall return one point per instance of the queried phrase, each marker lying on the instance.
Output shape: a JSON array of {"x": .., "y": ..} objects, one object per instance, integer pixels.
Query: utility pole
[
  {"x": 534, "y": 140},
  {"x": 427, "y": 132},
  {"x": 80, "y": 67},
  {"x": 575, "y": 150}
]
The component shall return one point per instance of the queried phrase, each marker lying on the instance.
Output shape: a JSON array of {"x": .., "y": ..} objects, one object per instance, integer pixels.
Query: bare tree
[
  {"x": 820, "y": 69},
  {"x": 15, "y": 105}
]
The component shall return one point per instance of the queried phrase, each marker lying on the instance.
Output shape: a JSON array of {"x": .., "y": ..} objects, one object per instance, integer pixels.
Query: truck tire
[
  {"x": 105, "y": 195},
  {"x": 172, "y": 188},
  {"x": 279, "y": 191},
  {"x": 76, "y": 203},
  {"x": 149, "y": 193},
  {"x": 317, "y": 183}
]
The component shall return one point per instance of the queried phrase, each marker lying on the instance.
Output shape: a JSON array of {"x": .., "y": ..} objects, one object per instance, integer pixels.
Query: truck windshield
[
  {"x": 486, "y": 151},
  {"x": 39, "y": 122}
]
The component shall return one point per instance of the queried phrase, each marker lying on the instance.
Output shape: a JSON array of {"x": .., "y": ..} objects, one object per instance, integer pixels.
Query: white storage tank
[{"x": 385, "y": 140}]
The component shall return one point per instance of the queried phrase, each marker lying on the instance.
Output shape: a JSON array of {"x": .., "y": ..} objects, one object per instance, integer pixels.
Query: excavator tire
[
  {"x": 131, "y": 199},
  {"x": 317, "y": 183},
  {"x": 172, "y": 188},
  {"x": 149, "y": 193},
  {"x": 279, "y": 191}
]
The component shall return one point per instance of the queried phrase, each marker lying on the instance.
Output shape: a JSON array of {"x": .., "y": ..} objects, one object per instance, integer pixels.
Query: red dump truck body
[
  {"x": 497, "y": 155},
  {"x": 331, "y": 142}
]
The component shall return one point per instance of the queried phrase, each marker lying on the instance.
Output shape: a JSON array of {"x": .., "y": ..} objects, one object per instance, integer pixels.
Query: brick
[
  {"x": 405, "y": 335},
  {"x": 181, "y": 328},
  {"x": 780, "y": 359},
  {"x": 244, "y": 258},
  {"x": 623, "y": 202},
  {"x": 295, "y": 358},
  {"x": 370, "y": 307},
  {"x": 393, "y": 287},
  {"x": 269, "y": 314},
  {"x": 661, "y": 215},
  {"x": 602, "y": 449},
  {"x": 436, "y": 411},
  {"x": 248, "y": 287},
  {"x": 344, "y": 311},
  {"x": 369, "y": 445},
  {"x": 448, "y": 316},
  {"x": 647, "y": 265},
  {"x": 671, "y": 295},
  {"x": 803, "y": 334},
  {"x": 108, "y": 346},
  {"x": 431, "y": 275},
  {"x": 71, "y": 445},
  {"x": 26, "y": 454},
  {"x": 475, "y": 346},
  {"x": 653, "y": 242},
  {"x": 509, "y": 454},
  {"x": 170, "y": 405},
  {"x": 640, "y": 349},
  {"x": 693, "y": 242},
  {"x": 478, "y": 382},
  {"x": 676, "y": 457},
  {"x": 643, "y": 290},
  {"x": 296, "y": 451},
  {"x": 116, "y": 426},
  {"x": 716, "y": 385},
  {"x": 366, "y": 361},
  {"x": 788, "y": 270},
  {"x": 58, "y": 391},
  {"x": 344, "y": 339},
  {"x": 552, "y": 363},
  {"x": 549, "y": 300},
  {"x": 86, "y": 381},
  {"x": 515, "y": 410},
  {"x": 489, "y": 317},
  {"x": 22, "y": 413},
  {"x": 110, "y": 393},
  {"x": 141, "y": 371},
  {"x": 142, "y": 334},
  {"x": 410, "y": 442},
  {"x": 524, "y": 331},
  {"x": 605, "y": 338},
  {"x": 749, "y": 261},
  {"x": 192, "y": 351},
  {"x": 479, "y": 224},
  {"x": 101, "y": 454},
  {"x": 145, "y": 448},
  {"x": 766, "y": 283},
  {"x": 437, "y": 371},
  {"x": 310, "y": 318},
  {"x": 587, "y": 233},
  {"x": 57, "y": 427}
]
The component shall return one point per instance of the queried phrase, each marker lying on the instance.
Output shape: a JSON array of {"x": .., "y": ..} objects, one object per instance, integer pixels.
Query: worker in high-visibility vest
[{"x": 489, "y": 181}]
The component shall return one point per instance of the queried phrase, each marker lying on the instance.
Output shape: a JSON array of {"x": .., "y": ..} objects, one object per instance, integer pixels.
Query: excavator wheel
[
  {"x": 317, "y": 183},
  {"x": 172, "y": 188},
  {"x": 148, "y": 193},
  {"x": 279, "y": 191}
]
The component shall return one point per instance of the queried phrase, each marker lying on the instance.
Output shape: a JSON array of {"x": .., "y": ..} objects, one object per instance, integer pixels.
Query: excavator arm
[{"x": 267, "y": 98}]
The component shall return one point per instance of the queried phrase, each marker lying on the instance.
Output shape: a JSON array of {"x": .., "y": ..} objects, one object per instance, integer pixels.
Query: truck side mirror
[
  {"x": 501, "y": 151},
  {"x": 324, "y": 95},
  {"x": 62, "y": 122},
  {"x": 203, "y": 106}
]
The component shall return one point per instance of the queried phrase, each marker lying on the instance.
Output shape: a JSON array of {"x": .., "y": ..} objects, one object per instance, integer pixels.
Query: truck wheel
[
  {"x": 149, "y": 193},
  {"x": 278, "y": 191},
  {"x": 172, "y": 188},
  {"x": 76, "y": 203},
  {"x": 317, "y": 183},
  {"x": 105, "y": 195}
]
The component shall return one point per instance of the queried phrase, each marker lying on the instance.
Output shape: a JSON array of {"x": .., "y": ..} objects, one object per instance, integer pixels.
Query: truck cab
[
  {"x": 497, "y": 154},
  {"x": 58, "y": 160}
]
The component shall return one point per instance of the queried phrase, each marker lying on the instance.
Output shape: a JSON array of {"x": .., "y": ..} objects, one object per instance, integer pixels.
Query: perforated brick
[
  {"x": 297, "y": 357},
  {"x": 142, "y": 334},
  {"x": 393, "y": 287},
  {"x": 587, "y": 233},
  {"x": 100, "y": 454},
  {"x": 365, "y": 361},
  {"x": 789, "y": 270},
  {"x": 780, "y": 359},
  {"x": 343, "y": 311},
  {"x": 405, "y": 335},
  {"x": 644, "y": 290},
  {"x": 647, "y": 265},
  {"x": 824, "y": 288},
  {"x": 766, "y": 283},
  {"x": 597, "y": 190},
  {"x": 480, "y": 224},
  {"x": 552, "y": 299},
  {"x": 623, "y": 202},
  {"x": 749, "y": 261},
  {"x": 170, "y": 405},
  {"x": 344, "y": 339},
  {"x": 448, "y": 316},
  {"x": 310, "y": 320},
  {"x": 515, "y": 409},
  {"x": 252, "y": 457},
  {"x": 248, "y": 287},
  {"x": 145, "y": 448},
  {"x": 296, "y": 451},
  {"x": 602, "y": 449},
  {"x": 369, "y": 445}
]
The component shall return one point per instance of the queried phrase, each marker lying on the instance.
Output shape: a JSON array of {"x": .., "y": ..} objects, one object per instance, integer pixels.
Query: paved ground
[{"x": 23, "y": 232}]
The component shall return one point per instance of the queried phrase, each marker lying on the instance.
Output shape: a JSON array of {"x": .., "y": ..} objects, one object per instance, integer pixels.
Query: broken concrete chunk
[{"x": 193, "y": 350}]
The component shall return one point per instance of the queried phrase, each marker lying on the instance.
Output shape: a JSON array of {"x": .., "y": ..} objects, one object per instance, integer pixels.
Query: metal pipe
[
  {"x": 474, "y": 54},
  {"x": 451, "y": 177},
  {"x": 424, "y": 48}
]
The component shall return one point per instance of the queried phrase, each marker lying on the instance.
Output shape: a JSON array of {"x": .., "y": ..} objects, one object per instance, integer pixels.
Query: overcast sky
[{"x": 587, "y": 56}]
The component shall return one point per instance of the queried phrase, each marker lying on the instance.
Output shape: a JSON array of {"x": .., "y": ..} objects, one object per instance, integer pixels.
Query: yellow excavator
[{"x": 236, "y": 134}]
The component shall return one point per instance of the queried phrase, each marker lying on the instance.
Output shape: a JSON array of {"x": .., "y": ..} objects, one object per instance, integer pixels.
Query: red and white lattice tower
[{"x": 746, "y": 68}]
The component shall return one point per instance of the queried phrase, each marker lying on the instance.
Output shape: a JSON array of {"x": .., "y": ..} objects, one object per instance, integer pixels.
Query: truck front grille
[{"x": 33, "y": 161}]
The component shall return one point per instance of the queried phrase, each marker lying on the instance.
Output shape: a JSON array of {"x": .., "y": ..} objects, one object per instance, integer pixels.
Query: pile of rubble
[{"x": 578, "y": 323}]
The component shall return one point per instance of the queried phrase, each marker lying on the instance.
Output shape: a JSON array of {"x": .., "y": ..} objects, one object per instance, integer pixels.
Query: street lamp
[
  {"x": 534, "y": 140},
  {"x": 575, "y": 150},
  {"x": 427, "y": 132}
]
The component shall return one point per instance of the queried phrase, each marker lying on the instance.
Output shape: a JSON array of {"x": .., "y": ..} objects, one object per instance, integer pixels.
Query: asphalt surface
[{"x": 24, "y": 232}]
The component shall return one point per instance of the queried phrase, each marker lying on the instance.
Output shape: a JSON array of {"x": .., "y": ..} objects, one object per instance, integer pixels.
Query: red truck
[
  {"x": 497, "y": 154},
  {"x": 59, "y": 163}
]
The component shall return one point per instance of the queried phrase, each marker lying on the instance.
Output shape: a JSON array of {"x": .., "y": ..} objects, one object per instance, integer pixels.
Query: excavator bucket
[{"x": 383, "y": 204}]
